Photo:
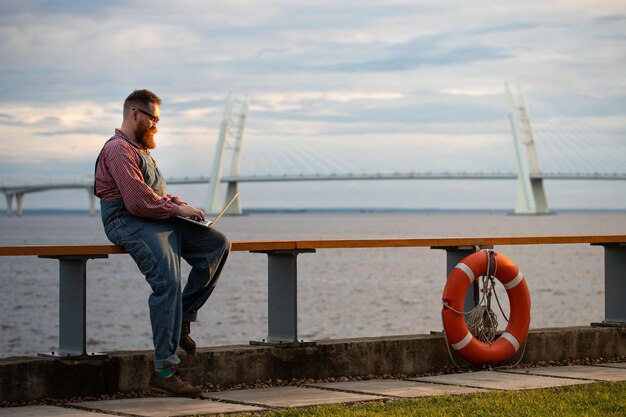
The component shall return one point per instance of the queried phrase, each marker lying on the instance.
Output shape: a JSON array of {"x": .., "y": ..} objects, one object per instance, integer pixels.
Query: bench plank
[
  {"x": 274, "y": 245},
  {"x": 60, "y": 250},
  {"x": 80, "y": 250},
  {"x": 451, "y": 242}
]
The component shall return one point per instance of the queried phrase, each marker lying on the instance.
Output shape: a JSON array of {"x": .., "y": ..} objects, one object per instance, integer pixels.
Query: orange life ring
[{"x": 457, "y": 333}]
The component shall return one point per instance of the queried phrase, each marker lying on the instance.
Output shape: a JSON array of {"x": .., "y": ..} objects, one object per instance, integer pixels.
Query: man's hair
[{"x": 140, "y": 99}]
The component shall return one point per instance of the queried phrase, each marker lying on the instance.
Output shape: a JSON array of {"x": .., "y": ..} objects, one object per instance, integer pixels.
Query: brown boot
[
  {"x": 174, "y": 386},
  {"x": 186, "y": 342}
]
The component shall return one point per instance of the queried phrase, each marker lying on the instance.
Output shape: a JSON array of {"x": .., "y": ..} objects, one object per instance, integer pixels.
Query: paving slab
[
  {"x": 396, "y": 388},
  {"x": 593, "y": 373},
  {"x": 166, "y": 406},
  {"x": 289, "y": 396},
  {"x": 46, "y": 411},
  {"x": 613, "y": 365},
  {"x": 499, "y": 380}
]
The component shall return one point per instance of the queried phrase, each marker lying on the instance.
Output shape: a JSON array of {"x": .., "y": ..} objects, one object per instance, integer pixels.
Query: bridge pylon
[
  {"x": 215, "y": 203},
  {"x": 531, "y": 196},
  {"x": 9, "y": 197},
  {"x": 233, "y": 186},
  {"x": 19, "y": 199}
]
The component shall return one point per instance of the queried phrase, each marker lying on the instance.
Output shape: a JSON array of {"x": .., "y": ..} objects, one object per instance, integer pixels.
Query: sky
[{"x": 333, "y": 86}]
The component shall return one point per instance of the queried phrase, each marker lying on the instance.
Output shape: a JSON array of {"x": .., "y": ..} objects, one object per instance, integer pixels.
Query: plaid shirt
[{"x": 118, "y": 177}]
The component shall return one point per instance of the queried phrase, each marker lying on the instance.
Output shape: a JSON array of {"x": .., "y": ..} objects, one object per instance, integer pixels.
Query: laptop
[{"x": 208, "y": 223}]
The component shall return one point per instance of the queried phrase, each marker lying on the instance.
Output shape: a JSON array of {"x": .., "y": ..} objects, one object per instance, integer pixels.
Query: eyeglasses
[{"x": 153, "y": 119}]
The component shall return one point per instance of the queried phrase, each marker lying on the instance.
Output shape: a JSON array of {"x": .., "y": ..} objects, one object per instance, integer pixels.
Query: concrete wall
[{"x": 29, "y": 378}]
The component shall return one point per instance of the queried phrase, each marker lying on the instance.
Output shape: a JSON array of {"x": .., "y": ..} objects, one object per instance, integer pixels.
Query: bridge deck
[{"x": 31, "y": 188}]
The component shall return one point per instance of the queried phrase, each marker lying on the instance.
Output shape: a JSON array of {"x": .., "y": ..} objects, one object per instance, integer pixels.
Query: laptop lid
[{"x": 232, "y": 200}]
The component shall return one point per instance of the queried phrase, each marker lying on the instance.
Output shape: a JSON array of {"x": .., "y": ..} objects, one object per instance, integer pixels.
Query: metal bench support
[
  {"x": 73, "y": 306},
  {"x": 282, "y": 294},
  {"x": 614, "y": 284},
  {"x": 454, "y": 255}
]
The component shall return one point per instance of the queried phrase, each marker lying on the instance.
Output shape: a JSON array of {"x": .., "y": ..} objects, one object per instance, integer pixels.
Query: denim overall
[{"x": 157, "y": 246}]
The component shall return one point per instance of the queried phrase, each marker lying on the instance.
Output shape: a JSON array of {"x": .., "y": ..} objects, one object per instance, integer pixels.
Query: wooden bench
[{"x": 282, "y": 276}]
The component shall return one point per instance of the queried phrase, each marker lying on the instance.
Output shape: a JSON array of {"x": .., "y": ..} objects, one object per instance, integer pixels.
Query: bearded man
[{"x": 139, "y": 215}]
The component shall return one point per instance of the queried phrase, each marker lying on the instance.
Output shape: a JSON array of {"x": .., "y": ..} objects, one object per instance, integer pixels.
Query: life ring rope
[
  {"x": 488, "y": 366},
  {"x": 488, "y": 283}
]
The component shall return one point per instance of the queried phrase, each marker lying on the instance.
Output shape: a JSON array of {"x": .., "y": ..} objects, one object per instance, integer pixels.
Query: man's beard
[{"x": 145, "y": 137}]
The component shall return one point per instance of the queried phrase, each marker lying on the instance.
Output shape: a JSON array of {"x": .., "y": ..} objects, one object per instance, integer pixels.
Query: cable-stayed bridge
[
  {"x": 397, "y": 176},
  {"x": 563, "y": 152}
]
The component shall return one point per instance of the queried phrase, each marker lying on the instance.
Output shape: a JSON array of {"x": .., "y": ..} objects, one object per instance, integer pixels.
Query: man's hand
[{"x": 191, "y": 212}]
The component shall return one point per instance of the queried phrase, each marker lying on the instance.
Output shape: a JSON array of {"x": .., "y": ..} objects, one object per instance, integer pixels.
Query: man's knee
[
  {"x": 222, "y": 241},
  {"x": 228, "y": 245}
]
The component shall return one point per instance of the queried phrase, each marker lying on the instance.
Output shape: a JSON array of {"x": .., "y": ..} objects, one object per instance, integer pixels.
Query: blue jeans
[{"x": 157, "y": 246}]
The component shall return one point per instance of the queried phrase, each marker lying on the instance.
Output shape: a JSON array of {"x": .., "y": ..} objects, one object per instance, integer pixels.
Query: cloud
[
  {"x": 67, "y": 132},
  {"x": 611, "y": 19},
  {"x": 58, "y": 7},
  {"x": 449, "y": 48},
  {"x": 399, "y": 81},
  {"x": 415, "y": 55}
]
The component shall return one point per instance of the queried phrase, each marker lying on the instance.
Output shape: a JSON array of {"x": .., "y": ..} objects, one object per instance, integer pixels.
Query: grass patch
[{"x": 597, "y": 399}]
